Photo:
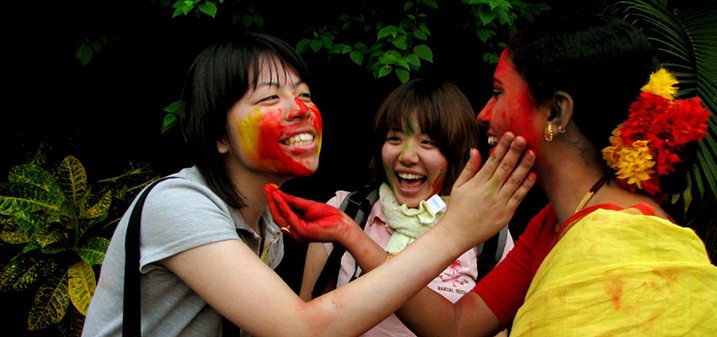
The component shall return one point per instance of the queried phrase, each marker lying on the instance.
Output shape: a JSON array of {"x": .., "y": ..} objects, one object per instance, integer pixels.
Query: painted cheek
[
  {"x": 260, "y": 140},
  {"x": 389, "y": 176},
  {"x": 318, "y": 124},
  {"x": 440, "y": 180}
]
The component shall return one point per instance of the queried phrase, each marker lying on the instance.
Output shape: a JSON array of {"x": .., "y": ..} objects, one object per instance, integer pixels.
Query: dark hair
[
  {"x": 602, "y": 62},
  {"x": 441, "y": 110},
  {"x": 218, "y": 78}
]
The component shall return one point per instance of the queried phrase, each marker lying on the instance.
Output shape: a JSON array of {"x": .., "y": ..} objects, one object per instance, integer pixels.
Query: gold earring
[
  {"x": 560, "y": 129},
  {"x": 548, "y": 133}
]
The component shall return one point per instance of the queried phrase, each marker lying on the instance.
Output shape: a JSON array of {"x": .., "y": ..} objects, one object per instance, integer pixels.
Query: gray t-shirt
[{"x": 178, "y": 214}]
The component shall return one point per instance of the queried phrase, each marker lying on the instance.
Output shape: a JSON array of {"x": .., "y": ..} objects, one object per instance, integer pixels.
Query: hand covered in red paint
[
  {"x": 483, "y": 201},
  {"x": 307, "y": 220}
]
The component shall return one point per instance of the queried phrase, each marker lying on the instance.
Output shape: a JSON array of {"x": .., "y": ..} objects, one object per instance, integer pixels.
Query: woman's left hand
[{"x": 307, "y": 220}]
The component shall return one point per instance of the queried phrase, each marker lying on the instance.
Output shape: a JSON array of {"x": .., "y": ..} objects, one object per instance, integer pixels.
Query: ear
[
  {"x": 561, "y": 109},
  {"x": 223, "y": 145}
]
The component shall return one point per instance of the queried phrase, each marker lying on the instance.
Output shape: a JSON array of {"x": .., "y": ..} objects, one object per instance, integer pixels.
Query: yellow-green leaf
[
  {"x": 72, "y": 324},
  {"x": 82, "y": 285},
  {"x": 93, "y": 251},
  {"x": 72, "y": 178},
  {"x": 51, "y": 302},
  {"x": 95, "y": 206},
  {"x": 24, "y": 270}
]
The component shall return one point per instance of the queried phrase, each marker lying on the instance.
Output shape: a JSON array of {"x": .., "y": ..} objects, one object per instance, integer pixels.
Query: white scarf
[{"x": 408, "y": 223}]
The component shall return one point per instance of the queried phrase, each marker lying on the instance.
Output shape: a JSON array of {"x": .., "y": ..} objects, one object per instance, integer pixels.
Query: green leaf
[
  {"x": 72, "y": 324},
  {"x": 26, "y": 220},
  {"x": 258, "y": 20},
  {"x": 72, "y": 179},
  {"x": 315, "y": 45},
  {"x": 503, "y": 16},
  {"x": 356, "y": 56},
  {"x": 542, "y": 6},
  {"x": 84, "y": 53},
  {"x": 400, "y": 42},
  {"x": 385, "y": 70},
  {"x": 51, "y": 302},
  {"x": 82, "y": 285},
  {"x": 24, "y": 270},
  {"x": 413, "y": 60},
  {"x": 208, "y": 8},
  {"x": 97, "y": 45},
  {"x": 15, "y": 235},
  {"x": 47, "y": 235},
  {"x": 25, "y": 197},
  {"x": 419, "y": 34},
  {"x": 168, "y": 122},
  {"x": 302, "y": 45},
  {"x": 93, "y": 251},
  {"x": 247, "y": 20},
  {"x": 424, "y": 52},
  {"x": 327, "y": 40},
  {"x": 34, "y": 175},
  {"x": 407, "y": 5},
  {"x": 486, "y": 17},
  {"x": 499, "y": 4},
  {"x": 388, "y": 30},
  {"x": 403, "y": 75},
  {"x": 430, "y": 3},
  {"x": 485, "y": 34}
]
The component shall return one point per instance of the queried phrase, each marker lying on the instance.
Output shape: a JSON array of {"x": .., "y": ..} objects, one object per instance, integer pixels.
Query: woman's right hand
[
  {"x": 307, "y": 220},
  {"x": 483, "y": 201}
]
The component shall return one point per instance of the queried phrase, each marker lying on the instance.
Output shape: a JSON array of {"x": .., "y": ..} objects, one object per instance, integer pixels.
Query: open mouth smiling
[
  {"x": 492, "y": 140},
  {"x": 410, "y": 180},
  {"x": 301, "y": 139}
]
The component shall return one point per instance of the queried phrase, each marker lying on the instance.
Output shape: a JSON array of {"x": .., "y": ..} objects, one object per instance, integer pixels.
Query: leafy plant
[
  {"x": 402, "y": 38},
  {"x": 54, "y": 229}
]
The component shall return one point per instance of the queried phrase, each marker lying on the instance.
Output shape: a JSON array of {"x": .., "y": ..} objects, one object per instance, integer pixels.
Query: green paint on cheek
[{"x": 388, "y": 176}]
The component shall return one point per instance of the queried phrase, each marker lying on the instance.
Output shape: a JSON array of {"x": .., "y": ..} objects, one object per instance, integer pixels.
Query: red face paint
[
  {"x": 512, "y": 107},
  {"x": 267, "y": 141}
]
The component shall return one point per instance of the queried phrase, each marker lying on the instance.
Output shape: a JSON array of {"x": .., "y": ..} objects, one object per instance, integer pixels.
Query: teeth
[
  {"x": 409, "y": 176},
  {"x": 492, "y": 141},
  {"x": 300, "y": 140}
]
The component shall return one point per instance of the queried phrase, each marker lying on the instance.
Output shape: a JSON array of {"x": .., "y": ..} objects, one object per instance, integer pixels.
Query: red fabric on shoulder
[{"x": 504, "y": 288}]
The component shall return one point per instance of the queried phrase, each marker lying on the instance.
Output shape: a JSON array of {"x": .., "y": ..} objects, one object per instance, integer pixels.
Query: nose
[
  {"x": 408, "y": 155},
  {"x": 485, "y": 115},
  {"x": 299, "y": 110}
]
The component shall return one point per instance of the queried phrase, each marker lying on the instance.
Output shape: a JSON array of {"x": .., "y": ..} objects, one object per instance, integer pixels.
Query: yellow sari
[{"x": 622, "y": 273}]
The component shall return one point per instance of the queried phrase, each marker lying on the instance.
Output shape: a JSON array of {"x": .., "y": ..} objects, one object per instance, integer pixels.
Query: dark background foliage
[{"x": 110, "y": 112}]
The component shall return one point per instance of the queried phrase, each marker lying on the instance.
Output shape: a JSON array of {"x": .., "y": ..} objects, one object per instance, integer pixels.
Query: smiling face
[
  {"x": 511, "y": 108},
  {"x": 274, "y": 128},
  {"x": 415, "y": 166}
]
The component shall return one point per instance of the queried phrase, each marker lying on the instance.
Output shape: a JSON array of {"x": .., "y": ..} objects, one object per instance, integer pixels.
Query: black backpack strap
[
  {"x": 357, "y": 205},
  {"x": 131, "y": 325},
  {"x": 490, "y": 252}
]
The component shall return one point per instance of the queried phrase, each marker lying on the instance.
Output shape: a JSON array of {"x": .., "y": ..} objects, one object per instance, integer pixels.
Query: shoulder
[{"x": 338, "y": 198}]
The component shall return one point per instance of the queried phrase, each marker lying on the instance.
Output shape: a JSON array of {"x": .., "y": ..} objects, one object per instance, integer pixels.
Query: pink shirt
[{"x": 452, "y": 283}]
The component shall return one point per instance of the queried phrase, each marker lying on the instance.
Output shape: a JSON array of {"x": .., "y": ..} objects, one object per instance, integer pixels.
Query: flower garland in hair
[{"x": 647, "y": 145}]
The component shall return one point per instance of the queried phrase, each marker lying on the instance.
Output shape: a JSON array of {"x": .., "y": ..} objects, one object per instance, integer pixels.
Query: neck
[
  {"x": 250, "y": 185},
  {"x": 567, "y": 178}
]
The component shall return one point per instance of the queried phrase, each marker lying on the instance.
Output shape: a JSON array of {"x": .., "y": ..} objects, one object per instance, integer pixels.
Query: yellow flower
[
  {"x": 635, "y": 163},
  {"x": 661, "y": 84}
]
